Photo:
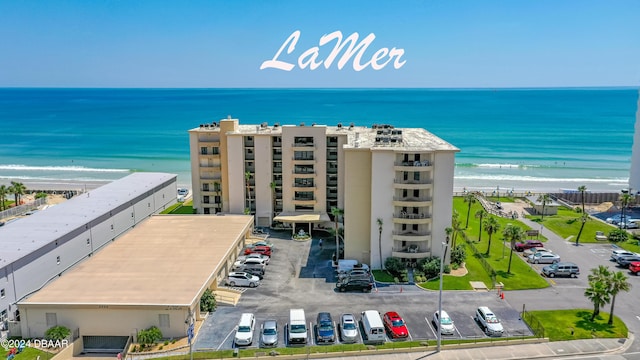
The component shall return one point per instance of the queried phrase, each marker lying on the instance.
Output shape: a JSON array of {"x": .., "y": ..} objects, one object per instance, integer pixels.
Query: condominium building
[{"x": 394, "y": 185}]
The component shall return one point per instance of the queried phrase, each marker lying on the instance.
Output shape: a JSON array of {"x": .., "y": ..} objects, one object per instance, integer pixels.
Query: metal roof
[{"x": 26, "y": 235}]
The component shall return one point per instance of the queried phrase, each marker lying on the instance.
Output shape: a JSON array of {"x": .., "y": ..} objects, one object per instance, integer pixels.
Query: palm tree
[
  {"x": 247, "y": 177},
  {"x": 598, "y": 293},
  {"x": 18, "y": 189},
  {"x": 379, "y": 222},
  {"x": 470, "y": 199},
  {"x": 3, "y": 194},
  {"x": 544, "y": 199},
  {"x": 601, "y": 273},
  {"x": 491, "y": 226},
  {"x": 480, "y": 214},
  {"x": 455, "y": 224},
  {"x": 582, "y": 190},
  {"x": 617, "y": 282},
  {"x": 514, "y": 234},
  {"x": 337, "y": 212},
  {"x": 583, "y": 219},
  {"x": 272, "y": 185},
  {"x": 625, "y": 199}
]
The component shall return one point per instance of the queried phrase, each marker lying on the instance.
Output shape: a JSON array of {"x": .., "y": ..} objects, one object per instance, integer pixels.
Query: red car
[
  {"x": 395, "y": 325},
  {"x": 264, "y": 250},
  {"x": 528, "y": 245},
  {"x": 634, "y": 267}
]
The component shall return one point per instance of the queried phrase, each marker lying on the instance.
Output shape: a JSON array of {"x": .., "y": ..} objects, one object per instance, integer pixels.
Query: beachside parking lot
[{"x": 300, "y": 276}]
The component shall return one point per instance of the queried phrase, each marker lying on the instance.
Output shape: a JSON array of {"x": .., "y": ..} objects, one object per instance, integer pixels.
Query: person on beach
[{"x": 320, "y": 244}]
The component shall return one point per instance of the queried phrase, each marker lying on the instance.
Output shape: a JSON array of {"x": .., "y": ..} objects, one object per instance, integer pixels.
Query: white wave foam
[
  {"x": 58, "y": 168},
  {"x": 615, "y": 181},
  {"x": 502, "y": 166},
  {"x": 51, "y": 179}
]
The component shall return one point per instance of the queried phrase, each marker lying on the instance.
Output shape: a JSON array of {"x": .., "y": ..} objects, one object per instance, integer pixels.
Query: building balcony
[
  {"x": 277, "y": 157},
  {"x": 248, "y": 144},
  {"x": 410, "y": 253},
  {"x": 210, "y": 167},
  {"x": 424, "y": 165},
  {"x": 304, "y": 201},
  {"x": 304, "y": 187},
  {"x": 409, "y": 201},
  {"x": 210, "y": 142},
  {"x": 305, "y": 145},
  {"x": 409, "y": 235},
  {"x": 406, "y": 218},
  {"x": 303, "y": 161},
  {"x": 209, "y": 156},
  {"x": 412, "y": 184},
  {"x": 210, "y": 176},
  {"x": 332, "y": 157},
  {"x": 249, "y": 157},
  {"x": 277, "y": 144},
  {"x": 304, "y": 174},
  {"x": 332, "y": 170}
]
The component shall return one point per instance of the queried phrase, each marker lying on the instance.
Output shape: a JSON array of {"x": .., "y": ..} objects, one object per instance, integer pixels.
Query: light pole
[
  {"x": 444, "y": 245},
  {"x": 498, "y": 192}
]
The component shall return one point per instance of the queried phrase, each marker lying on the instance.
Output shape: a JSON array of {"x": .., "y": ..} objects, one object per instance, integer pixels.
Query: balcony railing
[
  {"x": 303, "y": 144},
  {"x": 303, "y": 185},
  {"x": 405, "y": 215},
  {"x": 411, "y": 198},
  {"x": 411, "y": 233},
  {"x": 412, "y": 182},
  {"x": 413, "y": 163},
  {"x": 277, "y": 157},
  {"x": 303, "y": 158},
  {"x": 303, "y": 198},
  {"x": 303, "y": 172}
]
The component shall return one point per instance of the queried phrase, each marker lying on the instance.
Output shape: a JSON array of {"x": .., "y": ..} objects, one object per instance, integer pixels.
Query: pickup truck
[{"x": 528, "y": 245}]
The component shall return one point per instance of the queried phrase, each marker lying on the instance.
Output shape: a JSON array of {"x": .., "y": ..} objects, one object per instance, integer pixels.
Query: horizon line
[{"x": 616, "y": 87}]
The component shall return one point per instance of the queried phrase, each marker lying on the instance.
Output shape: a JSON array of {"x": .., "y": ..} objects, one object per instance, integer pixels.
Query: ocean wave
[
  {"x": 35, "y": 179},
  {"x": 59, "y": 168},
  {"x": 498, "y": 165},
  {"x": 506, "y": 178}
]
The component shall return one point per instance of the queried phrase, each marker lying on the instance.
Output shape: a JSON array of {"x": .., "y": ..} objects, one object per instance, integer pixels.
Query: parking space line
[
  {"x": 456, "y": 329},
  {"x": 312, "y": 338},
  {"x": 225, "y": 339},
  {"x": 431, "y": 327}
]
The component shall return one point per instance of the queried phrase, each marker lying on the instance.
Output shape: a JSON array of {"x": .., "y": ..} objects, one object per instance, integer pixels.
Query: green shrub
[
  {"x": 458, "y": 255},
  {"x": 57, "y": 333},
  {"x": 618, "y": 235},
  {"x": 208, "y": 301},
  {"x": 394, "y": 265},
  {"x": 166, "y": 343},
  {"x": 149, "y": 336},
  {"x": 41, "y": 195}
]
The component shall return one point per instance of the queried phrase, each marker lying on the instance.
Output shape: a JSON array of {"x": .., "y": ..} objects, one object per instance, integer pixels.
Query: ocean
[{"x": 509, "y": 139}]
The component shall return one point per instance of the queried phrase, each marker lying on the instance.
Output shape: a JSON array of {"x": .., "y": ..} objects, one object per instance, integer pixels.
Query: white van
[
  {"x": 373, "y": 327},
  {"x": 297, "y": 327}
]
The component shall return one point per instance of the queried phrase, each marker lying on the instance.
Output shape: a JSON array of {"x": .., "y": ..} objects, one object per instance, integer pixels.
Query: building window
[
  {"x": 203, "y": 150},
  {"x": 51, "y": 319},
  {"x": 164, "y": 320},
  {"x": 205, "y": 187},
  {"x": 58, "y": 260},
  {"x": 88, "y": 241},
  {"x": 416, "y": 176},
  {"x": 2, "y": 294},
  {"x": 207, "y": 211},
  {"x": 3, "y": 315},
  {"x": 215, "y": 150},
  {"x": 205, "y": 199}
]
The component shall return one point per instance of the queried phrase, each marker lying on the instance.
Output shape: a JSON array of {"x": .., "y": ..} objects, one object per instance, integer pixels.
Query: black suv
[{"x": 364, "y": 285}]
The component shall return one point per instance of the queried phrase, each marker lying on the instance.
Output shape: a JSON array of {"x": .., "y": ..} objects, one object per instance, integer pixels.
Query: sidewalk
[{"x": 575, "y": 348}]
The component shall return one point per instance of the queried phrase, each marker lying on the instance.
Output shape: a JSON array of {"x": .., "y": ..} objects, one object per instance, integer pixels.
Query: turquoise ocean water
[{"x": 524, "y": 139}]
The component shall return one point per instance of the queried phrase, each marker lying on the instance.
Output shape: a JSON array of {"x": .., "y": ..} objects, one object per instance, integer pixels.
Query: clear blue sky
[{"x": 155, "y": 43}]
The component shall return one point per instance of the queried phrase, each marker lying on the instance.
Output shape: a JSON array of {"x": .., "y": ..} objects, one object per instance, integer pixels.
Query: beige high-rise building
[{"x": 395, "y": 186}]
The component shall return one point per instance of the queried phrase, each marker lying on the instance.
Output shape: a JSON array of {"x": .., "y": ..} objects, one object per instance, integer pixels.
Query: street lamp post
[{"x": 444, "y": 245}]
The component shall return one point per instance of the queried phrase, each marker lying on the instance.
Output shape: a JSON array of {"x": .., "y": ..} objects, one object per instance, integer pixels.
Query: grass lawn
[
  {"x": 522, "y": 275},
  {"x": 475, "y": 273},
  {"x": 558, "y": 325},
  {"x": 382, "y": 276},
  {"x": 180, "y": 208},
  {"x": 567, "y": 223},
  {"x": 30, "y": 353}
]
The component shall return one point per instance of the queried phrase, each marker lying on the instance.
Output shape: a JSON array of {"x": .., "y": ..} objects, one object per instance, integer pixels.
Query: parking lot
[{"x": 300, "y": 276}]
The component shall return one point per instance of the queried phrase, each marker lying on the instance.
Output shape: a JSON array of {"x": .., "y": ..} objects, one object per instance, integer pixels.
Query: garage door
[{"x": 104, "y": 344}]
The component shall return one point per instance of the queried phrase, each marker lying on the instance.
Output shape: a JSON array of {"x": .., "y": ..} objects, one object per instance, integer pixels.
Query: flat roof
[
  {"x": 28, "y": 234},
  {"x": 165, "y": 260},
  {"x": 409, "y": 139}
]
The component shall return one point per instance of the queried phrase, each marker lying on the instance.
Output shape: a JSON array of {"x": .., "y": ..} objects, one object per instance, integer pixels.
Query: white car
[
  {"x": 252, "y": 261},
  {"x": 264, "y": 258},
  {"x": 242, "y": 279},
  {"x": 488, "y": 321},
  {"x": 445, "y": 323},
  {"x": 621, "y": 252},
  {"x": 244, "y": 331},
  {"x": 534, "y": 250}
]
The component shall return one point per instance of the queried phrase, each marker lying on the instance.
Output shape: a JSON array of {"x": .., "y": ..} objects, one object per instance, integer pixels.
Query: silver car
[
  {"x": 269, "y": 333},
  {"x": 544, "y": 258},
  {"x": 348, "y": 328},
  {"x": 446, "y": 324}
]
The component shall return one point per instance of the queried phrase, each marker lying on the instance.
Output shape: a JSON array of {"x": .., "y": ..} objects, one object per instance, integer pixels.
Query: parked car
[
  {"x": 534, "y": 250},
  {"x": 183, "y": 191},
  {"x": 620, "y": 252},
  {"x": 269, "y": 333},
  {"x": 242, "y": 279},
  {"x": 544, "y": 258},
  {"x": 624, "y": 262},
  {"x": 250, "y": 260},
  {"x": 265, "y": 259},
  {"x": 264, "y": 250},
  {"x": 252, "y": 271},
  {"x": 325, "y": 330},
  {"x": 348, "y": 328},
  {"x": 488, "y": 321},
  {"x": 395, "y": 325},
  {"x": 634, "y": 267},
  {"x": 345, "y": 284},
  {"x": 262, "y": 243},
  {"x": 444, "y": 324},
  {"x": 244, "y": 331},
  {"x": 522, "y": 246},
  {"x": 561, "y": 269}
]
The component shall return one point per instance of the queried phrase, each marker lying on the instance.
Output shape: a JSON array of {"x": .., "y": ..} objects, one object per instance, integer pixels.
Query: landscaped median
[{"x": 574, "y": 324}]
